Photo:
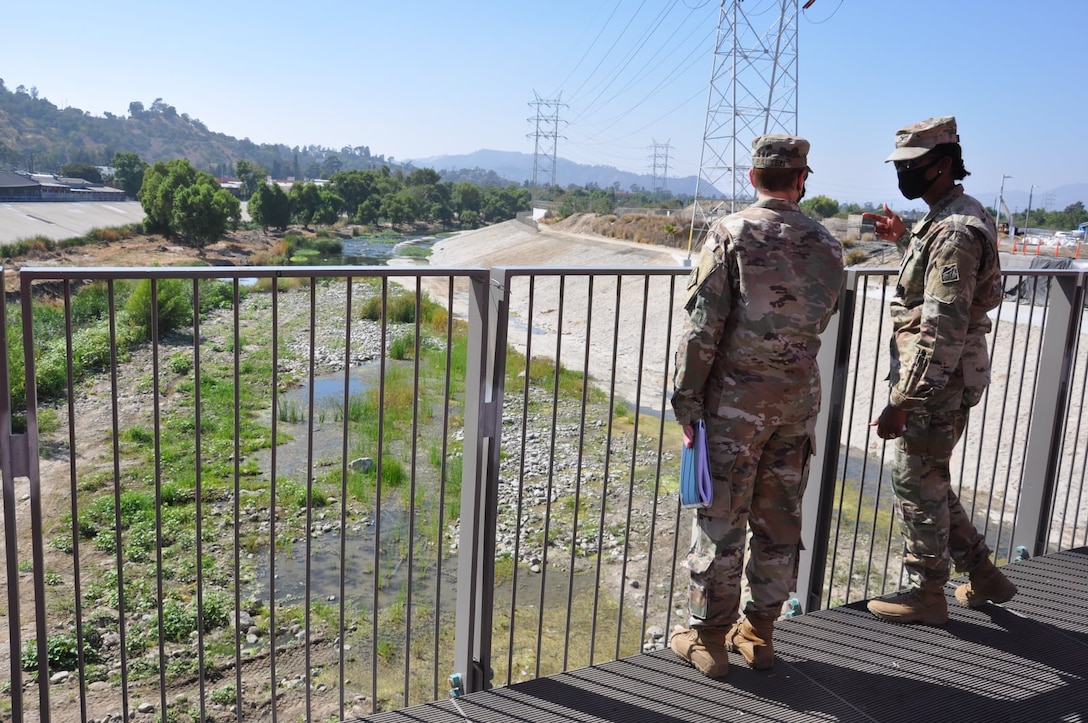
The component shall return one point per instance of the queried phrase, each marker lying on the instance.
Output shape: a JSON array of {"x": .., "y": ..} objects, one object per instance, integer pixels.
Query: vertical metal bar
[
  {"x": 1004, "y": 407},
  {"x": 580, "y": 459},
  {"x": 29, "y": 451},
  {"x": 1071, "y": 458},
  {"x": 520, "y": 492},
  {"x": 443, "y": 471},
  {"x": 11, "y": 551},
  {"x": 342, "y": 630},
  {"x": 273, "y": 630},
  {"x": 484, "y": 381},
  {"x": 541, "y": 606},
  {"x": 236, "y": 502},
  {"x": 633, "y": 466},
  {"x": 412, "y": 479},
  {"x": 1035, "y": 368},
  {"x": 819, "y": 499},
  {"x": 198, "y": 461},
  {"x": 308, "y": 594},
  {"x": 157, "y": 442},
  {"x": 379, "y": 458},
  {"x": 1050, "y": 406},
  {"x": 607, "y": 468},
  {"x": 119, "y": 555},
  {"x": 77, "y": 586},
  {"x": 661, "y": 412}
]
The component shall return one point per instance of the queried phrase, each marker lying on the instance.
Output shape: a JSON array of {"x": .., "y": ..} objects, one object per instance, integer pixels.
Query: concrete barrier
[{"x": 60, "y": 221}]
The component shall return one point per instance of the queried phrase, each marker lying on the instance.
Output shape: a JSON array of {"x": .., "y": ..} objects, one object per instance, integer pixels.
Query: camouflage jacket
[
  {"x": 765, "y": 286},
  {"x": 950, "y": 277}
]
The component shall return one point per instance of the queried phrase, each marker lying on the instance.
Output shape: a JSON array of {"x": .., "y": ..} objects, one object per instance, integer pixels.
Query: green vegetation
[
  {"x": 92, "y": 343},
  {"x": 149, "y": 510},
  {"x": 178, "y": 199}
]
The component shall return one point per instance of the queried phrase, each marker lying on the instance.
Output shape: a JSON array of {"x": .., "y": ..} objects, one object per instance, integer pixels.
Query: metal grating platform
[{"x": 1025, "y": 662}]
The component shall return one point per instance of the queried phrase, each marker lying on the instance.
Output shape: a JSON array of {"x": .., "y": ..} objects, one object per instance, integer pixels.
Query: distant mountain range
[
  {"x": 518, "y": 168},
  {"x": 1054, "y": 199}
]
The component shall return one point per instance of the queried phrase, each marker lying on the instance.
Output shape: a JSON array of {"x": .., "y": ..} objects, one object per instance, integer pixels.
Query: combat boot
[
  {"x": 751, "y": 637},
  {"x": 704, "y": 648},
  {"x": 913, "y": 606},
  {"x": 988, "y": 584}
]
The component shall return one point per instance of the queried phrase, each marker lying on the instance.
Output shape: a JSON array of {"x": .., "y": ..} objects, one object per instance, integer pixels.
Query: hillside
[{"x": 38, "y": 136}]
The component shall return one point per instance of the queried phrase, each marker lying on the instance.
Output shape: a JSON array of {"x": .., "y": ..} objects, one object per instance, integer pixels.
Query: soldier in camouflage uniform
[
  {"x": 949, "y": 278},
  {"x": 767, "y": 281}
]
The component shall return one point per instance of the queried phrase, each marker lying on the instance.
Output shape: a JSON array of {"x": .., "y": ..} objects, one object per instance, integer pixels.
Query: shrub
[
  {"x": 178, "y": 620},
  {"x": 175, "y": 307},
  {"x": 402, "y": 347},
  {"x": 62, "y": 651},
  {"x": 92, "y": 303},
  {"x": 180, "y": 363},
  {"x": 854, "y": 257}
]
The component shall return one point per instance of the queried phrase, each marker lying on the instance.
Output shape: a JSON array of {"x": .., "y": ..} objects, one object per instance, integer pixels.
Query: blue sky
[{"x": 422, "y": 78}]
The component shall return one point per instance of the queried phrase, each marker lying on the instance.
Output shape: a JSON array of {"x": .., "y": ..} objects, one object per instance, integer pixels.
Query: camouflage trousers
[
  {"x": 760, "y": 473},
  {"x": 937, "y": 530}
]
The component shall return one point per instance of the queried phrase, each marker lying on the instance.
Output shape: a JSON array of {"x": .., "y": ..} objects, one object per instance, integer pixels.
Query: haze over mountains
[{"x": 518, "y": 167}]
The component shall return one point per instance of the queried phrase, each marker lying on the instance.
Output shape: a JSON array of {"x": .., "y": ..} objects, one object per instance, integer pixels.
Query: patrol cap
[
  {"x": 920, "y": 138},
  {"x": 777, "y": 150}
]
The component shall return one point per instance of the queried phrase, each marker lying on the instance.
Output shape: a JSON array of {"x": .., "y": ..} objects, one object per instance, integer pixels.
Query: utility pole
[
  {"x": 660, "y": 160},
  {"x": 753, "y": 90},
  {"x": 1027, "y": 218},
  {"x": 1000, "y": 201},
  {"x": 547, "y": 128}
]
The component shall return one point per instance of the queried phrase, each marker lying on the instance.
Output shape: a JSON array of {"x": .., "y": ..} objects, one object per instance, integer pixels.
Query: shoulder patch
[
  {"x": 950, "y": 274},
  {"x": 708, "y": 263}
]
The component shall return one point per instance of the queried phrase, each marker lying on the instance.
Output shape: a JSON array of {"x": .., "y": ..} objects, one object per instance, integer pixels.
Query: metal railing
[{"x": 320, "y": 492}]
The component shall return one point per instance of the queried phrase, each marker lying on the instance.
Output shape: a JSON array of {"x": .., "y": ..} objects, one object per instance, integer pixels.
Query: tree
[
  {"x": 466, "y": 197},
  {"x": 85, "y": 171},
  {"x": 251, "y": 176},
  {"x": 399, "y": 208},
  {"x": 128, "y": 171},
  {"x": 160, "y": 185},
  {"x": 177, "y": 198},
  {"x": 203, "y": 211},
  {"x": 269, "y": 206},
  {"x": 328, "y": 207},
  {"x": 820, "y": 206},
  {"x": 305, "y": 201}
]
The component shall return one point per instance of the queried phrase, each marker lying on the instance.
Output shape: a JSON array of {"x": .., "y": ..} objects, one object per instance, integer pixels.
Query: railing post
[
  {"x": 484, "y": 385},
  {"x": 7, "y": 478},
  {"x": 819, "y": 497},
  {"x": 1065, "y": 303}
]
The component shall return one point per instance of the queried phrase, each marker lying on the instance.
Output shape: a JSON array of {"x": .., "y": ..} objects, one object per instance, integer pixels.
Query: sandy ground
[{"x": 604, "y": 311}]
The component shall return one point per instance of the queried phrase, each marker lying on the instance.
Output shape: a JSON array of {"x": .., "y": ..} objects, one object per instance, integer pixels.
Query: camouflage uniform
[
  {"x": 765, "y": 286},
  {"x": 949, "y": 278}
]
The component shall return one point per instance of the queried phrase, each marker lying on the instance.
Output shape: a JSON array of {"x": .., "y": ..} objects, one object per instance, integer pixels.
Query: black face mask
[
  {"x": 803, "y": 189},
  {"x": 913, "y": 183}
]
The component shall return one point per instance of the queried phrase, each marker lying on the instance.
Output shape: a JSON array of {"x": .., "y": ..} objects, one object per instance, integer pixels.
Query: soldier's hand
[
  {"x": 891, "y": 423},
  {"x": 889, "y": 226},
  {"x": 689, "y": 435}
]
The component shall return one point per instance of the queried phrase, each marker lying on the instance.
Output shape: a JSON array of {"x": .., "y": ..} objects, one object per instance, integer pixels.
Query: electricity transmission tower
[
  {"x": 661, "y": 162},
  {"x": 753, "y": 90},
  {"x": 546, "y": 119}
]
